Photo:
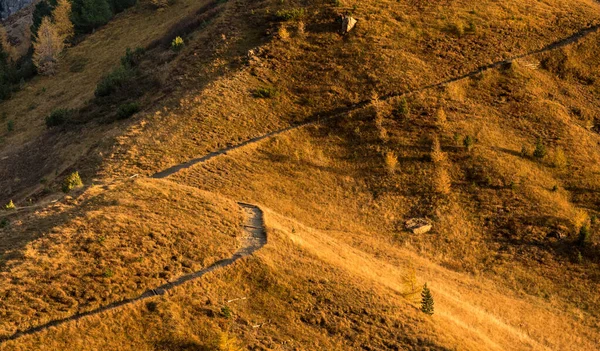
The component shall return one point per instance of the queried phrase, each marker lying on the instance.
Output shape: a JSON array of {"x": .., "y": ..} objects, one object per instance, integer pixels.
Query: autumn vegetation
[{"x": 408, "y": 120}]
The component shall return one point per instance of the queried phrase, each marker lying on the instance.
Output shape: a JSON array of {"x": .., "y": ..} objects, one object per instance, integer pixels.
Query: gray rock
[
  {"x": 418, "y": 225},
  {"x": 9, "y": 7},
  {"x": 348, "y": 23}
]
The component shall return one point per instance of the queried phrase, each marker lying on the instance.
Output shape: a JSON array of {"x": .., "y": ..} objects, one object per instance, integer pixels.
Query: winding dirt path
[{"x": 255, "y": 235}]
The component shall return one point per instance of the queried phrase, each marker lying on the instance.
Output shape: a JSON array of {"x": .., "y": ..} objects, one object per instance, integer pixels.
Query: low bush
[
  {"x": 127, "y": 110},
  {"x": 114, "y": 80},
  {"x": 10, "y": 206},
  {"x": 132, "y": 58},
  {"x": 289, "y": 15},
  {"x": 540, "y": 149},
  {"x": 71, "y": 182},
  {"x": 265, "y": 92},
  {"x": 58, "y": 117},
  {"x": 177, "y": 44}
]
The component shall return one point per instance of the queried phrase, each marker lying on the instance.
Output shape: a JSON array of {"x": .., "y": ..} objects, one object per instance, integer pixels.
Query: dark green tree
[
  {"x": 120, "y": 5},
  {"x": 584, "y": 235},
  {"x": 468, "y": 142},
  {"x": 426, "y": 300},
  {"x": 88, "y": 15}
]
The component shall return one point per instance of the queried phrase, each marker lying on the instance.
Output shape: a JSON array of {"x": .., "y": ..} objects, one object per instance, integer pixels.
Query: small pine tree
[
  {"x": 426, "y": 300},
  {"x": 442, "y": 182},
  {"x": 560, "y": 159},
  {"x": 540, "y": 149},
  {"x": 440, "y": 117},
  {"x": 437, "y": 155},
  {"x": 468, "y": 142},
  {"x": 42, "y": 9},
  {"x": 71, "y": 182},
  {"x": 584, "y": 235},
  {"x": 61, "y": 17},
  {"x": 402, "y": 110},
  {"x": 47, "y": 48}
]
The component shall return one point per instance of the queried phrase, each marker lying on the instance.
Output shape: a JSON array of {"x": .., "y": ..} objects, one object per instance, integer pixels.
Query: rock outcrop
[{"x": 9, "y": 7}]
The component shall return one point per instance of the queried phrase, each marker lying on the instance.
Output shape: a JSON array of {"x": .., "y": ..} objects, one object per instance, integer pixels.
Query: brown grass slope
[{"x": 339, "y": 269}]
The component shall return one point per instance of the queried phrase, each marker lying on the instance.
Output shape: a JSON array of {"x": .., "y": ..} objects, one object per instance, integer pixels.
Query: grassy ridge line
[{"x": 256, "y": 240}]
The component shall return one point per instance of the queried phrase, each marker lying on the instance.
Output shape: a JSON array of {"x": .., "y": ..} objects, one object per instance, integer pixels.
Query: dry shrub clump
[{"x": 391, "y": 162}]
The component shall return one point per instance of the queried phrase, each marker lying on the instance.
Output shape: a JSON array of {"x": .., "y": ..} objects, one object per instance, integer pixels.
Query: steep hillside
[{"x": 477, "y": 115}]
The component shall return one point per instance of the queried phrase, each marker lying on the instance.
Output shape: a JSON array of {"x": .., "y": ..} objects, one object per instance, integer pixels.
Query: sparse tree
[
  {"x": 440, "y": 117},
  {"x": 61, "y": 17},
  {"x": 540, "y": 149},
  {"x": 442, "y": 182},
  {"x": 47, "y": 48},
  {"x": 426, "y": 300},
  {"x": 560, "y": 159},
  {"x": 437, "y": 155},
  {"x": 468, "y": 142},
  {"x": 584, "y": 235}
]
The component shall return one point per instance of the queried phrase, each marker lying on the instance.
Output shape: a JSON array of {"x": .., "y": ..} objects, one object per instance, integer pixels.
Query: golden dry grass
[
  {"x": 338, "y": 270},
  {"x": 107, "y": 244}
]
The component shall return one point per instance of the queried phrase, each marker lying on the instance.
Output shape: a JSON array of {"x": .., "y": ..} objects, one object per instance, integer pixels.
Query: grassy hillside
[{"x": 502, "y": 159}]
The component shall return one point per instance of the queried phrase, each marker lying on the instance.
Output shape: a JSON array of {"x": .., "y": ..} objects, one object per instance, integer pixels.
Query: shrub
[
  {"x": 58, "y": 117},
  {"x": 88, "y": 15},
  {"x": 468, "y": 142},
  {"x": 10, "y": 125},
  {"x": 127, "y": 110},
  {"x": 540, "y": 149},
  {"x": 226, "y": 312},
  {"x": 391, "y": 162},
  {"x": 10, "y": 206},
  {"x": 426, "y": 300},
  {"x": 113, "y": 81},
  {"x": 177, "y": 44},
  {"x": 4, "y": 223},
  {"x": 402, "y": 110},
  {"x": 71, "y": 182},
  {"x": 265, "y": 92},
  {"x": 289, "y": 15},
  {"x": 560, "y": 159},
  {"x": 525, "y": 151},
  {"x": 132, "y": 58},
  {"x": 584, "y": 235}
]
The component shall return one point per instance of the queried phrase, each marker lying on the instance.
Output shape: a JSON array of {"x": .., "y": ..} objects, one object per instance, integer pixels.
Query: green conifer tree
[{"x": 426, "y": 300}]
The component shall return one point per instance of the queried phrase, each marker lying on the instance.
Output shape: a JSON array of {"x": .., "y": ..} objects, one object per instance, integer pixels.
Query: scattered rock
[
  {"x": 557, "y": 234},
  {"x": 418, "y": 225},
  {"x": 348, "y": 23}
]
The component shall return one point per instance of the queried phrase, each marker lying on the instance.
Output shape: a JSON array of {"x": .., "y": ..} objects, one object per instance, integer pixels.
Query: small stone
[{"x": 348, "y": 23}]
